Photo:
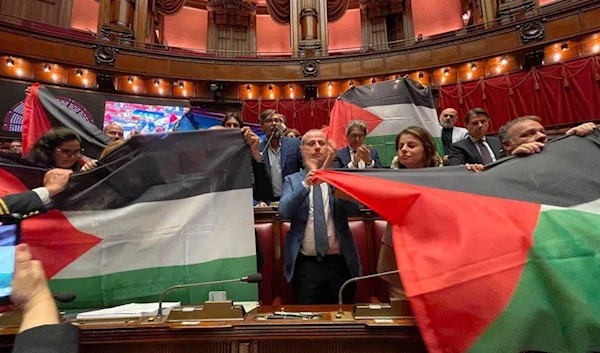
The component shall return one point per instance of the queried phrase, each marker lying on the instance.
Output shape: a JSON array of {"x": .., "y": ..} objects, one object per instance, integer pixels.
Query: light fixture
[
  {"x": 443, "y": 79},
  {"x": 270, "y": 88},
  {"x": 19, "y": 72},
  {"x": 291, "y": 87},
  {"x": 156, "y": 82},
  {"x": 135, "y": 88},
  {"x": 557, "y": 56},
  {"x": 397, "y": 78},
  {"x": 564, "y": 46},
  {"x": 504, "y": 60},
  {"x": 46, "y": 68},
  {"x": 10, "y": 61},
  {"x": 469, "y": 75},
  {"x": 421, "y": 75},
  {"x": 184, "y": 93},
  {"x": 373, "y": 80},
  {"x": 130, "y": 80},
  {"x": 54, "y": 77},
  {"x": 79, "y": 73},
  {"x": 473, "y": 66},
  {"x": 330, "y": 86},
  {"x": 446, "y": 72},
  {"x": 248, "y": 88},
  {"x": 85, "y": 81},
  {"x": 596, "y": 48},
  {"x": 351, "y": 83},
  {"x": 160, "y": 90},
  {"x": 498, "y": 69},
  {"x": 181, "y": 85}
]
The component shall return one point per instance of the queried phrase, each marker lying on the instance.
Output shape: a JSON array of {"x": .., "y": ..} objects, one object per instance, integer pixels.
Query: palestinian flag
[
  {"x": 161, "y": 210},
  {"x": 42, "y": 112},
  {"x": 387, "y": 108},
  {"x": 507, "y": 260}
]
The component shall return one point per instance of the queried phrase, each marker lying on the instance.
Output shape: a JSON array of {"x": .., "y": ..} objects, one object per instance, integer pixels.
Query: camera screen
[{"x": 8, "y": 242}]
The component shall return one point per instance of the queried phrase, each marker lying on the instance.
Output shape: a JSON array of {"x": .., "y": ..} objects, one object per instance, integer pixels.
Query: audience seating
[{"x": 367, "y": 230}]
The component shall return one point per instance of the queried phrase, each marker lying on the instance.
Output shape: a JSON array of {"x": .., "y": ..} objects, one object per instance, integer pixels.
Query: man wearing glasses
[{"x": 280, "y": 154}]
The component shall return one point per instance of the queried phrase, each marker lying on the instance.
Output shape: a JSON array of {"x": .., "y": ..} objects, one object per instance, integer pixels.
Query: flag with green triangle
[{"x": 507, "y": 260}]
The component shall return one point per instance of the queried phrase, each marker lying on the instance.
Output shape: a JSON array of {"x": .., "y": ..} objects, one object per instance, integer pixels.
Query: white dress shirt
[
  {"x": 361, "y": 164},
  {"x": 308, "y": 247}
]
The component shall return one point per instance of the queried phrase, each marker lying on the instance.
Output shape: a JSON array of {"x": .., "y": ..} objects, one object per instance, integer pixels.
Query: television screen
[{"x": 144, "y": 118}]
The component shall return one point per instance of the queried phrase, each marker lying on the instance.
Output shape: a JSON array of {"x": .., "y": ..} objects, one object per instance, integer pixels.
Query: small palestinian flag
[
  {"x": 507, "y": 260},
  {"x": 163, "y": 209},
  {"x": 387, "y": 108}
]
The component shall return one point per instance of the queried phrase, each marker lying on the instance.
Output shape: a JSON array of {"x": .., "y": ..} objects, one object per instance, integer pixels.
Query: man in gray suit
[{"x": 320, "y": 253}]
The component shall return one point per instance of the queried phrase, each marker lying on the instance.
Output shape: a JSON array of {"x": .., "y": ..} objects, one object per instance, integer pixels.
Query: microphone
[
  {"x": 282, "y": 128},
  {"x": 254, "y": 278},
  {"x": 340, "y": 312},
  {"x": 64, "y": 297}
]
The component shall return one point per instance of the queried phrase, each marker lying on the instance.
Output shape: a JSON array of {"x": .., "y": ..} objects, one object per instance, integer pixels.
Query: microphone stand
[
  {"x": 248, "y": 279},
  {"x": 340, "y": 312}
]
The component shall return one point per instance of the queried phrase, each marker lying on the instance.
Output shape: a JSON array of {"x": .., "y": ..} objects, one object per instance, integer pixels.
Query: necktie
[
  {"x": 485, "y": 153},
  {"x": 321, "y": 241}
]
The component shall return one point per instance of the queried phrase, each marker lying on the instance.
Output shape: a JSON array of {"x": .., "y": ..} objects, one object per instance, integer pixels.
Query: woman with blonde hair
[{"x": 416, "y": 149}]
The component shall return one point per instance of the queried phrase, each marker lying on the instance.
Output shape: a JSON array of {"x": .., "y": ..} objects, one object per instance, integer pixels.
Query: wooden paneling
[
  {"x": 472, "y": 49},
  {"x": 350, "y": 68},
  {"x": 502, "y": 42},
  {"x": 563, "y": 27},
  {"x": 55, "y": 12},
  {"x": 373, "y": 66},
  {"x": 590, "y": 18},
  {"x": 420, "y": 58},
  {"x": 446, "y": 54},
  {"x": 329, "y": 70},
  {"x": 396, "y": 63}
]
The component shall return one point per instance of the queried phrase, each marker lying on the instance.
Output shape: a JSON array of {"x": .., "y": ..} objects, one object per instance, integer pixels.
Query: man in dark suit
[
  {"x": 320, "y": 253},
  {"x": 40, "y": 330},
  {"x": 477, "y": 148},
  {"x": 32, "y": 202},
  {"x": 357, "y": 155},
  {"x": 281, "y": 155}
]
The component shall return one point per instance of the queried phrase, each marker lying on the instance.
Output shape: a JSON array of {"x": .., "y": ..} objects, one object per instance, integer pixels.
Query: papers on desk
[
  {"x": 248, "y": 306},
  {"x": 128, "y": 310}
]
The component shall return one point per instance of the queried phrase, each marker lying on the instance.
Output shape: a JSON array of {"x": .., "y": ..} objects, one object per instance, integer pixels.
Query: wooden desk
[{"x": 249, "y": 336}]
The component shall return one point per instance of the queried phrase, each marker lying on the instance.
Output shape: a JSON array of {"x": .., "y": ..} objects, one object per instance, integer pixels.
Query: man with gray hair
[
  {"x": 526, "y": 134},
  {"x": 320, "y": 252},
  {"x": 451, "y": 133},
  {"x": 357, "y": 155}
]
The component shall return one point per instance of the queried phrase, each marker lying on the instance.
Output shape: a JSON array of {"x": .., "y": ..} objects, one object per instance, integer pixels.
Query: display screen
[
  {"x": 144, "y": 118},
  {"x": 9, "y": 238}
]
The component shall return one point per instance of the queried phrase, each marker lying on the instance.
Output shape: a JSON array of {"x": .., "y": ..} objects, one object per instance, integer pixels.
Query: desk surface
[{"x": 249, "y": 335}]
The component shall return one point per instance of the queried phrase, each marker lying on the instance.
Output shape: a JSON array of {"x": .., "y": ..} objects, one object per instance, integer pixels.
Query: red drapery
[
  {"x": 169, "y": 7},
  {"x": 280, "y": 10},
  {"x": 299, "y": 114},
  {"x": 559, "y": 94}
]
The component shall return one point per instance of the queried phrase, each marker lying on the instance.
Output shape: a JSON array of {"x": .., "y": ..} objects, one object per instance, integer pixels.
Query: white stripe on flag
[
  {"x": 165, "y": 233},
  {"x": 397, "y": 117}
]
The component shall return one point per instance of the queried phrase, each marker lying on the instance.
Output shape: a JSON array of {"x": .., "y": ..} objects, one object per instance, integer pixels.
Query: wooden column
[
  {"x": 140, "y": 22},
  {"x": 103, "y": 14},
  {"x": 323, "y": 31}
]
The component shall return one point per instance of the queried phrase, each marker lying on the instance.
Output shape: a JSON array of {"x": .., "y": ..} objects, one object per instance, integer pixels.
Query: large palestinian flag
[
  {"x": 161, "y": 210},
  {"x": 387, "y": 107},
  {"x": 506, "y": 260}
]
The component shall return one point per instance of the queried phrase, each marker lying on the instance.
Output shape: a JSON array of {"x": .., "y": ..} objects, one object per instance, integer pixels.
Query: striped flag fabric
[
  {"x": 163, "y": 209},
  {"x": 387, "y": 108},
  {"x": 501, "y": 261}
]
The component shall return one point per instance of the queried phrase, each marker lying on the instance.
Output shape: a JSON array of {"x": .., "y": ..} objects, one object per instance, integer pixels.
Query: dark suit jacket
[
  {"x": 294, "y": 205},
  {"x": 342, "y": 158},
  {"x": 291, "y": 159},
  {"x": 465, "y": 151},
  {"x": 262, "y": 190},
  {"x": 59, "y": 338},
  {"x": 23, "y": 203}
]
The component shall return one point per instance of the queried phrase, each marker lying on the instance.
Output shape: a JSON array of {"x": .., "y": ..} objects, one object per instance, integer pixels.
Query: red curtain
[
  {"x": 559, "y": 94},
  {"x": 280, "y": 10},
  {"x": 169, "y": 7},
  {"x": 300, "y": 114}
]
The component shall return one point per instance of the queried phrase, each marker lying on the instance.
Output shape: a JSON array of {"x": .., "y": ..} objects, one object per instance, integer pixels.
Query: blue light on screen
[{"x": 8, "y": 239}]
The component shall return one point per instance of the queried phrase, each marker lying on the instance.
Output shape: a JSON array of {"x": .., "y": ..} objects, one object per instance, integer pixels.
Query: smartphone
[{"x": 10, "y": 236}]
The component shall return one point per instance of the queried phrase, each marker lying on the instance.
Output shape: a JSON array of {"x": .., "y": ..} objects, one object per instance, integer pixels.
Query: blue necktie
[{"x": 321, "y": 241}]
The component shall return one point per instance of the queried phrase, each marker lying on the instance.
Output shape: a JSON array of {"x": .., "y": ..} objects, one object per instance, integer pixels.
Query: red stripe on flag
[
  {"x": 52, "y": 238},
  {"x": 460, "y": 255},
  {"x": 35, "y": 121},
  {"x": 341, "y": 114}
]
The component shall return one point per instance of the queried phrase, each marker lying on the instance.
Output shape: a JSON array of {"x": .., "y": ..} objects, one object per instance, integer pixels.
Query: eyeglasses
[
  {"x": 69, "y": 153},
  {"x": 449, "y": 116},
  {"x": 273, "y": 121}
]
